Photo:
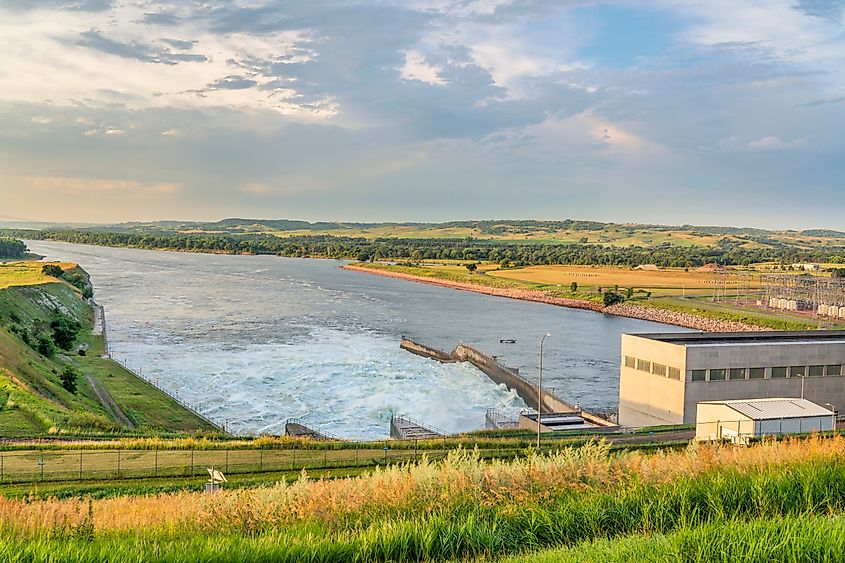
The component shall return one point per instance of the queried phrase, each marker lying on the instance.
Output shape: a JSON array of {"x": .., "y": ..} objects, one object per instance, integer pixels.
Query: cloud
[
  {"x": 42, "y": 120},
  {"x": 773, "y": 143},
  {"x": 416, "y": 68},
  {"x": 79, "y": 186}
]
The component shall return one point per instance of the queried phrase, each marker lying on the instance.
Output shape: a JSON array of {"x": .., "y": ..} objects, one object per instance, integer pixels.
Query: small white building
[{"x": 740, "y": 420}]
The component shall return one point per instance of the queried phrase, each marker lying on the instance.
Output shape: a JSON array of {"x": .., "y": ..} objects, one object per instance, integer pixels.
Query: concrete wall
[
  {"x": 426, "y": 351},
  {"x": 647, "y": 399},
  {"x": 715, "y": 422}
]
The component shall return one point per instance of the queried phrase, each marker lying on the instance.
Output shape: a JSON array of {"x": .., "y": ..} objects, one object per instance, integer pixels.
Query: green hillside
[{"x": 97, "y": 395}]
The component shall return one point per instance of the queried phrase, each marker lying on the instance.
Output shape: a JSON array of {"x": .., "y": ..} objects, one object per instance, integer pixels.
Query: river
[{"x": 256, "y": 340}]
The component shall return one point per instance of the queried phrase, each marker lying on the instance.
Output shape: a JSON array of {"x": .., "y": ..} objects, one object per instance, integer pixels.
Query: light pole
[
  {"x": 803, "y": 378},
  {"x": 540, "y": 390}
]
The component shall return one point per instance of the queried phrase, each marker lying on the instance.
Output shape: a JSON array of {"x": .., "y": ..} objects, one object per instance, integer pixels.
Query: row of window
[
  {"x": 653, "y": 367},
  {"x": 730, "y": 374},
  {"x": 760, "y": 373}
]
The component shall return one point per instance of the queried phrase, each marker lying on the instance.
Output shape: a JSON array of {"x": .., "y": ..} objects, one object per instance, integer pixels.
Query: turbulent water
[{"x": 256, "y": 340}]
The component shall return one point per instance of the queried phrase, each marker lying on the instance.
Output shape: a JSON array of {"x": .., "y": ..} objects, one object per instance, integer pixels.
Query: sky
[{"x": 712, "y": 112}]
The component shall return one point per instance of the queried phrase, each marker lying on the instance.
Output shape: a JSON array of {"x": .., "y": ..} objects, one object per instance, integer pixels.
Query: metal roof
[
  {"x": 767, "y": 337},
  {"x": 764, "y": 409}
]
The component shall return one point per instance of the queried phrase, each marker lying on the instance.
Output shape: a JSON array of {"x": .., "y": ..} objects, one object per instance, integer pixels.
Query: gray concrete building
[{"x": 663, "y": 376}]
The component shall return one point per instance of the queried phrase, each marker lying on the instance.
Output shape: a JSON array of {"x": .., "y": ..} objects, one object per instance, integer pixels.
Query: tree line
[
  {"x": 12, "y": 248},
  {"x": 506, "y": 253}
]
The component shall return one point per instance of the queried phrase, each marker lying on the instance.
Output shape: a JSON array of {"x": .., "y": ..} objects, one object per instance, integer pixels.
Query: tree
[
  {"x": 69, "y": 377},
  {"x": 44, "y": 345},
  {"x": 65, "y": 330},
  {"x": 629, "y": 293},
  {"x": 573, "y": 287},
  {"x": 612, "y": 298},
  {"x": 52, "y": 270},
  {"x": 472, "y": 267}
]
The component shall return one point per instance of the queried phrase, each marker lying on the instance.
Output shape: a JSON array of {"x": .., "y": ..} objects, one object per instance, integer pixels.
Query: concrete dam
[{"x": 526, "y": 389}]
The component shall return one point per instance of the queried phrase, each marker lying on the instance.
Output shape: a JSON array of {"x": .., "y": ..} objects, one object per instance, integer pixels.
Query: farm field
[
  {"x": 27, "y": 273},
  {"x": 587, "y": 503}
]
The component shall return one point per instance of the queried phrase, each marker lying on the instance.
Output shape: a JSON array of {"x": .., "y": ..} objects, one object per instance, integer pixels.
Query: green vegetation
[
  {"x": 11, "y": 248},
  {"x": 513, "y": 243},
  {"x": 46, "y": 384},
  {"x": 587, "y": 504}
]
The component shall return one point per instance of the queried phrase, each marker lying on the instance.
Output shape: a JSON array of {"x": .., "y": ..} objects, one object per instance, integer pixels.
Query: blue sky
[{"x": 681, "y": 111}]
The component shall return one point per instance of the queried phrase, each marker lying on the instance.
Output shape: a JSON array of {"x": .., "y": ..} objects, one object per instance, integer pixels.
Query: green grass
[
  {"x": 810, "y": 539},
  {"x": 717, "y": 515},
  {"x": 34, "y": 401}
]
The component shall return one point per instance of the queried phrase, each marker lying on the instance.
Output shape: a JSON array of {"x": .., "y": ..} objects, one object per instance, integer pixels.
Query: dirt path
[
  {"x": 629, "y": 310},
  {"x": 108, "y": 402}
]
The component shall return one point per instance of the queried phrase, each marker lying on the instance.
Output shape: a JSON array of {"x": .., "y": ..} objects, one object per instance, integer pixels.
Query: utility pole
[{"x": 540, "y": 390}]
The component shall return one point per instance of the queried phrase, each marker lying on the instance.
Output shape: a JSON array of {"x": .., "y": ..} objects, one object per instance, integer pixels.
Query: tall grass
[{"x": 460, "y": 508}]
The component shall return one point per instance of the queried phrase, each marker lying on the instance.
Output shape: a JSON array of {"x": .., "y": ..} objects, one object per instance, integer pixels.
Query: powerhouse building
[{"x": 664, "y": 376}]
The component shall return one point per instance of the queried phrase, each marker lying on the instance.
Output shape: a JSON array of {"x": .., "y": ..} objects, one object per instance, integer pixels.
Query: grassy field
[
  {"x": 14, "y": 274},
  {"x": 589, "y": 503},
  {"x": 670, "y": 289}
]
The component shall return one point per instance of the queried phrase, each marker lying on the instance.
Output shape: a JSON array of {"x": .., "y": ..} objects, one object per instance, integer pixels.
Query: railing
[
  {"x": 408, "y": 420},
  {"x": 496, "y": 419},
  {"x": 322, "y": 434},
  {"x": 184, "y": 404}
]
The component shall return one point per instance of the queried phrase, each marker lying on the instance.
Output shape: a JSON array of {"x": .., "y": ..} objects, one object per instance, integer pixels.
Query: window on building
[
  {"x": 643, "y": 365},
  {"x": 816, "y": 371},
  {"x": 630, "y": 362},
  {"x": 756, "y": 373},
  {"x": 699, "y": 375},
  {"x": 658, "y": 369},
  {"x": 674, "y": 373},
  {"x": 797, "y": 371},
  {"x": 717, "y": 374},
  {"x": 778, "y": 372},
  {"x": 736, "y": 373},
  {"x": 833, "y": 370}
]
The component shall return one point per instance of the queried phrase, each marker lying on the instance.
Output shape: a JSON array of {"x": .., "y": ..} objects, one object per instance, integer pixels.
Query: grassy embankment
[
  {"x": 588, "y": 503},
  {"x": 673, "y": 290},
  {"x": 33, "y": 400}
]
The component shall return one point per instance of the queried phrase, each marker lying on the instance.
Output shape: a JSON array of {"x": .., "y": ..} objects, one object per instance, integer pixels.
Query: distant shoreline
[{"x": 629, "y": 310}]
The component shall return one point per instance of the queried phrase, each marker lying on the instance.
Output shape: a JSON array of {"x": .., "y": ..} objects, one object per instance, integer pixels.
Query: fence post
[
  {"x": 260, "y": 461},
  {"x": 357, "y": 445},
  {"x": 227, "y": 461},
  {"x": 156, "y": 461},
  {"x": 80, "y": 465},
  {"x": 118, "y": 464},
  {"x": 41, "y": 463},
  {"x": 415, "y": 449},
  {"x": 2, "y": 474},
  {"x": 293, "y": 461},
  {"x": 325, "y": 457},
  {"x": 192, "y": 462}
]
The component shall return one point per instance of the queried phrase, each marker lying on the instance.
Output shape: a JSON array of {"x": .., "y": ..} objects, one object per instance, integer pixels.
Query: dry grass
[
  {"x": 421, "y": 489},
  {"x": 27, "y": 273}
]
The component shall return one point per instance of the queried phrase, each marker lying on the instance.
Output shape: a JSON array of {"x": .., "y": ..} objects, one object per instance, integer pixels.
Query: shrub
[
  {"x": 52, "y": 270},
  {"x": 44, "y": 345},
  {"x": 612, "y": 298},
  {"x": 68, "y": 378},
  {"x": 65, "y": 330}
]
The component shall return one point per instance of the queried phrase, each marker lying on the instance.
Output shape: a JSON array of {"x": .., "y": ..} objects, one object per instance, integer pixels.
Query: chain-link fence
[{"x": 26, "y": 466}]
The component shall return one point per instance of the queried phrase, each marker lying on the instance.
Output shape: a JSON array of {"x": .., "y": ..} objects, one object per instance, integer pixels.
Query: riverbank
[{"x": 630, "y": 310}]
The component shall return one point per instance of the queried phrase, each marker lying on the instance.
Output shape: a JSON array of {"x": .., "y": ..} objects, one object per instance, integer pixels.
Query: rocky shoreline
[{"x": 630, "y": 310}]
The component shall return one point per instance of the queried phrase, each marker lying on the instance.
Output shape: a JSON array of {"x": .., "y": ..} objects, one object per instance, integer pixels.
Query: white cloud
[
  {"x": 114, "y": 132},
  {"x": 42, "y": 120},
  {"x": 416, "y": 68},
  {"x": 171, "y": 133},
  {"x": 773, "y": 143},
  {"x": 116, "y": 59}
]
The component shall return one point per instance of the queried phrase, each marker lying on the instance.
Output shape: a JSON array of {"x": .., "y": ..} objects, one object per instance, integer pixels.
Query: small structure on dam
[
  {"x": 405, "y": 428},
  {"x": 297, "y": 429},
  {"x": 510, "y": 377}
]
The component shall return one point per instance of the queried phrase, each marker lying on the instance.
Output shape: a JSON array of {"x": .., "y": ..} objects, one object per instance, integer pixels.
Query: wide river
[{"x": 256, "y": 340}]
